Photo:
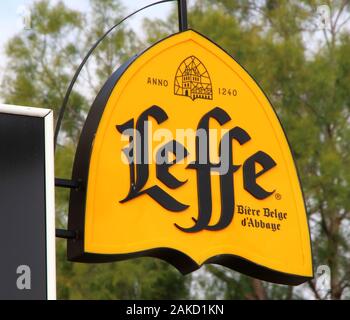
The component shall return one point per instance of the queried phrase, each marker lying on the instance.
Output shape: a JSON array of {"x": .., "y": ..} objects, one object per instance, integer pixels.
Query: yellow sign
[{"x": 183, "y": 158}]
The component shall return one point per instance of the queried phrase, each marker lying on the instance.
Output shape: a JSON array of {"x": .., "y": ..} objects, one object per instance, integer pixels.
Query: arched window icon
[{"x": 192, "y": 80}]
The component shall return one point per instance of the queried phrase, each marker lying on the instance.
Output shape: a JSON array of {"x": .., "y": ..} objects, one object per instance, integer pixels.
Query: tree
[
  {"x": 304, "y": 70},
  {"x": 308, "y": 84},
  {"x": 41, "y": 63}
]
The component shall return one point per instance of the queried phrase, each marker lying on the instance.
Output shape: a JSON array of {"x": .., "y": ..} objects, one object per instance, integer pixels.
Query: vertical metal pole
[{"x": 183, "y": 25}]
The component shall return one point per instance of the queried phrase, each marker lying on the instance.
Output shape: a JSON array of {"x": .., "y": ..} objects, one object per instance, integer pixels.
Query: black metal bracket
[
  {"x": 75, "y": 77},
  {"x": 68, "y": 184},
  {"x": 182, "y": 7},
  {"x": 66, "y": 234}
]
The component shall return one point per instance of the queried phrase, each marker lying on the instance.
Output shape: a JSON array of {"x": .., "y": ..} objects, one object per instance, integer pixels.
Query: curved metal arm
[
  {"x": 69, "y": 90},
  {"x": 182, "y": 9}
]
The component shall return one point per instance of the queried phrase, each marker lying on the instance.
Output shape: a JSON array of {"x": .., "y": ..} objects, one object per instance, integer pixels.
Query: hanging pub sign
[{"x": 183, "y": 158}]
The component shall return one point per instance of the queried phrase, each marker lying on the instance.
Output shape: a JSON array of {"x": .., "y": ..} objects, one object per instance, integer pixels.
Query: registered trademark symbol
[{"x": 278, "y": 196}]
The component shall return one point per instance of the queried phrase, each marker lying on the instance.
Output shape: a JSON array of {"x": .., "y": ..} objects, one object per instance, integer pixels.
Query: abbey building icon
[{"x": 192, "y": 80}]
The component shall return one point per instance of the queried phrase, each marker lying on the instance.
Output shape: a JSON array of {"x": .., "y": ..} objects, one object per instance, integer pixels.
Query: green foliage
[
  {"x": 310, "y": 92},
  {"x": 41, "y": 63},
  {"x": 136, "y": 279},
  {"x": 308, "y": 84}
]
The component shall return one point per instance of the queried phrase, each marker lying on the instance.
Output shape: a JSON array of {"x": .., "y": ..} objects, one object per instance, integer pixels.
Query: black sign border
[{"x": 76, "y": 216}]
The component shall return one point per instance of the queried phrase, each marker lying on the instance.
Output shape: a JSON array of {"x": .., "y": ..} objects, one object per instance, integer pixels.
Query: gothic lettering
[{"x": 139, "y": 171}]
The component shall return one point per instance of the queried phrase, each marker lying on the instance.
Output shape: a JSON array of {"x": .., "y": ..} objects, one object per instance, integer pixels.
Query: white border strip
[
  {"x": 50, "y": 208},
  {"x": 47, "y": 114},
  {"x": 25, "y": 111}
]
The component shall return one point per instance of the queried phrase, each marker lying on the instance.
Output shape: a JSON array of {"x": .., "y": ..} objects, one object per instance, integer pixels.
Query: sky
[
  {"x": 11, "y": 23},
  {"x": 10, "y": 13}
]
